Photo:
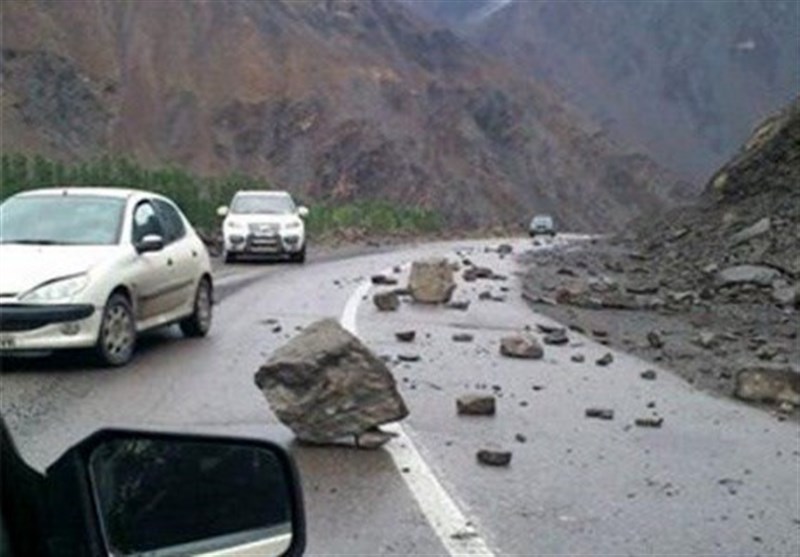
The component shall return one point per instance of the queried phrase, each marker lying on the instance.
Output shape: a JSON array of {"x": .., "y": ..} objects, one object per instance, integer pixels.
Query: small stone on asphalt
[{"x": 494, "y": 458}]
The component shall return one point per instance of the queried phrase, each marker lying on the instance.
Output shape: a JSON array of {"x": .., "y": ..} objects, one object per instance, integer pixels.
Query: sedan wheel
[
  {"x": 117, "y": 338},
  {"x": 199, "y": 322}
]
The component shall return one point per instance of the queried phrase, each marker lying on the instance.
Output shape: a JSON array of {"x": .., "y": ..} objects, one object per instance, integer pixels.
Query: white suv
[{"x": 263, "y": 223}]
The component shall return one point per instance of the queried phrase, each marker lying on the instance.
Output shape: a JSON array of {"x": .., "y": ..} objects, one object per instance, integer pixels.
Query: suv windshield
[
  {"x": 61, "y": 220},
  {"x": 252, "y": 204}
]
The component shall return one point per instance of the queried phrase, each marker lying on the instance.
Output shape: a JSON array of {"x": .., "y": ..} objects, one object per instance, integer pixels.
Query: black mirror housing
[
  {"x": 151, "y": 242},
  {"x": 95, "y": 489}
]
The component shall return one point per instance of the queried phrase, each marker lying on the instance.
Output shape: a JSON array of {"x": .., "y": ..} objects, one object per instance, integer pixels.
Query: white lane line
[{"x": 458, "y": 534}]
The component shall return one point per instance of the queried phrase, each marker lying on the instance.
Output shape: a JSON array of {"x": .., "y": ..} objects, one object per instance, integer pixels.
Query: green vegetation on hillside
[{"x": 199, "y": 197}]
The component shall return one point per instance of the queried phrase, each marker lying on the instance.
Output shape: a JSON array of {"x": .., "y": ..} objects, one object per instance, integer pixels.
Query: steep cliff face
[
  {"x": 339, "y": 99},
  {"x": 686, "y": 81}
]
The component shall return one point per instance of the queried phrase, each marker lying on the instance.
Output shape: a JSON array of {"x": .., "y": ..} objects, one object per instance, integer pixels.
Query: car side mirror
[
  {"x": 151, "y": 242},
  {"x": 222, "y": 211},
  {"x": 302, "y": 211},
  {"x": 173, "y": 494}
]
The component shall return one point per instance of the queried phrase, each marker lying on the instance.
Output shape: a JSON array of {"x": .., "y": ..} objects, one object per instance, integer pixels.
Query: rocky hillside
[
  {"x": 687, "y": 81},
  {"x": 741, "y": 243},
  {"x": 711, "y": 290},
  {"x": 338, "y": 100}
]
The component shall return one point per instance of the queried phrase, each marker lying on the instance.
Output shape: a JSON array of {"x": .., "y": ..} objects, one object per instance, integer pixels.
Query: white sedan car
[{"x": 93, "y": 267}]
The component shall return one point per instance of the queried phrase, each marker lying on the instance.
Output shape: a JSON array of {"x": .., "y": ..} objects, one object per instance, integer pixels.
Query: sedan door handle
[
  {"x": 169, "y": 262},
  {"x": 194, "y": 253}
]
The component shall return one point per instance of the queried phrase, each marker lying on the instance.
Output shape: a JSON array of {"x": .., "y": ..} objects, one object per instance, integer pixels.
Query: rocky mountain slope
[
  {"x": 713, "y": 289},
  {"x": 687, "y": 81},
  {"x": 336, "y": 99}
]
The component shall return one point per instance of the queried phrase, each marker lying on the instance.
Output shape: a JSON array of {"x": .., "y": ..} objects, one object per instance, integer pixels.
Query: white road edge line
[{"x": 456, "y": 532}]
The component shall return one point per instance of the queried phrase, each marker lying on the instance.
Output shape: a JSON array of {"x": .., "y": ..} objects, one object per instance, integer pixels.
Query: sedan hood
[{"x": 25, "y": 267}]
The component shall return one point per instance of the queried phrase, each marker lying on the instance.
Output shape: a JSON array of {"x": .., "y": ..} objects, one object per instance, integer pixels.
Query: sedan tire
[
  {"x": 199, "y": 322},
  {"x": 116, "y": 340}
]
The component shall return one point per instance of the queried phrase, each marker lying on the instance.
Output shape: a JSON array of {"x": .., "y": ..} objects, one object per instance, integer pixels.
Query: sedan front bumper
[{"x": 47, "y": 327}]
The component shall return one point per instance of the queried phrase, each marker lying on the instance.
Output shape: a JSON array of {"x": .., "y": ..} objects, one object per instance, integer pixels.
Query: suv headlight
[
  {"x": 234, "y": 225},
  {"x": 293, "y": 225},
  {"x": 58, "y": 289}
]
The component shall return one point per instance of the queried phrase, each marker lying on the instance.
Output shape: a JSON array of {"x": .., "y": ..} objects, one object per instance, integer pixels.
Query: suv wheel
[
  {"x": 199, "y": 322},
  {"x": 117, "y": 338},
  {"x": 300, "y": 256}
]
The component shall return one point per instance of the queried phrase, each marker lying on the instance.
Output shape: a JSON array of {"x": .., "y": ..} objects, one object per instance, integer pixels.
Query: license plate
[{"x": 7, "y": 342}]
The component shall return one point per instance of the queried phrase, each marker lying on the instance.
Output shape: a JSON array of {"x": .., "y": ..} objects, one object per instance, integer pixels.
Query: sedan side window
[
  {"x": 145, "y": 222},
  {"x": 173, "y": 223}
]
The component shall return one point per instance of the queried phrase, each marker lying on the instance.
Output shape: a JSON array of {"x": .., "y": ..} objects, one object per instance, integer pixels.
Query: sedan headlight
[
  {"x": 293, "y": 225},
  {"x": 56, "y": 290}
]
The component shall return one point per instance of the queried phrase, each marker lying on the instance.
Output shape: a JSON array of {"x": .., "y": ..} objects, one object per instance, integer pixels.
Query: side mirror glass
[
  {"x": 151, "y": 242},
  {"x": 222, "y": 211},
  {"x": 302, "y": 211},
  {"x": 189, "y": 495}
]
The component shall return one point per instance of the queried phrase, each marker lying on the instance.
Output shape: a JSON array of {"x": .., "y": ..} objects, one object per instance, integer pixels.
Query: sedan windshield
[
  {"x": 61, "y": 220},
  {"x": 253, "y": 204}
]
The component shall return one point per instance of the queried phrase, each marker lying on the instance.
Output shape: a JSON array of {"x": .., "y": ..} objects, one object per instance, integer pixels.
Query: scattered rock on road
[
  {"x": 475, "y": 405},
  {"x": 431, "y": 281},
  {"x": 600, "y": 413},
  {"x": 558, "y": 337},
  {"x": 463, "y": 337},
  {"x": 409, "y": 357},
  {"x": 605, "y": 360},
  {"x": 649, "y": 375},
  {"x": 505, "y": 249},
  {"x": 405, "y": 336},
  {"x": 649, "y": 422},
  {"x": 578, "y": 358},
  {"x": 461, "y": 305},
  {"x": 494, "y": 458},
  {"x": 383, "y": 280},
  {"x": 386, "y": 301},
  {"x": 325, "y": 385},
  {"x": 521, "y": 346},
  {"x": 471, "y": 274}
]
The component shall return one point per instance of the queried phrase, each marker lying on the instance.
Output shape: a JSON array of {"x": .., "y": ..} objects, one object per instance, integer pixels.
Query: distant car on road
[
  {"x": 94, "y": 267},
  {"x": 263, "y": 223},
  {"x": 542, "y": 224}
]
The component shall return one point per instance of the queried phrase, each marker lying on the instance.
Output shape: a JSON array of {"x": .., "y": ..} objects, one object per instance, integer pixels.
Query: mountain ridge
[{"x": 339, "y": 100}]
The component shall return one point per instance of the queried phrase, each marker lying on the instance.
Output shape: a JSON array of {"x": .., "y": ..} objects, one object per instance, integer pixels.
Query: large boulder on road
[
  {"x": 431, "y": 281},
  {"x": 325, "y": 385}
]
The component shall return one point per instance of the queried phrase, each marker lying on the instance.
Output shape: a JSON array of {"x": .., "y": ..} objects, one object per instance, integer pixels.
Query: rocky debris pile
[
  {"x": 715, "y": 287},
  {"x": 327, "y": 387},
  {"x": 740, "y": 244}
]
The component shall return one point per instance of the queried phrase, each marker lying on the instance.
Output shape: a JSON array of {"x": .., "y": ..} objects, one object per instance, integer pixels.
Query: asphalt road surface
[{"x": 718, "y": 478}]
